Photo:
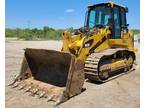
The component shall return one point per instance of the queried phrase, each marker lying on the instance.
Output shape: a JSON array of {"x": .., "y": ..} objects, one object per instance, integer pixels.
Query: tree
[{"x": 35, "y": 33}]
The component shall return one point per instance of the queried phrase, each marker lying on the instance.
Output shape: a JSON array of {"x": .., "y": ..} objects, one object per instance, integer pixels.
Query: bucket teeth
[
  {"x": 15, "y": 85},
  {"x": 21, "y": 86},
  {"x": 49, "y": 98},
  {"x": 40, "y": 90},
  {"x": 56, "y": 103},
  {"x": 34, "y": 91},
  {"x": 13, "y": 82},
  {"x": 41, "y": 94},
  {"x": 28, "y": 89}
]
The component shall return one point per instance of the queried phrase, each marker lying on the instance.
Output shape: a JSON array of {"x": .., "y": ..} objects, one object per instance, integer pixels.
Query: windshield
[{"x": 100, "y": 15}]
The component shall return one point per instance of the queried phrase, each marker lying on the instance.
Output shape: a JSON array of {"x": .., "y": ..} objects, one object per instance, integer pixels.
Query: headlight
[{"x": 88, "y": 43}]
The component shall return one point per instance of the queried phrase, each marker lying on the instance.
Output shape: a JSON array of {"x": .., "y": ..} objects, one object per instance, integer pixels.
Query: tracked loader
[{"x": 99, "y": 51}]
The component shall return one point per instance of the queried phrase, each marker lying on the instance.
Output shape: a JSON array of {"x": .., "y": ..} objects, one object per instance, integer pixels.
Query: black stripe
[{"x": 97, "y": 44}]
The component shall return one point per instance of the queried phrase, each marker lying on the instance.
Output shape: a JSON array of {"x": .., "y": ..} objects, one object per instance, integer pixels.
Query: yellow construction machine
[{"x": 99, "y": 51}]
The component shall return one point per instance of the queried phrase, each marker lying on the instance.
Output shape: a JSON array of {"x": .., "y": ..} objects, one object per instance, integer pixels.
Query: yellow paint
[
  {"x": 118, "y": 64},
  {"x": 112, "y": 4},
  {"x": 74, "y": 44}
]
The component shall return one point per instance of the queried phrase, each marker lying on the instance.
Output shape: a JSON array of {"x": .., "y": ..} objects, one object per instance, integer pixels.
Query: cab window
[{"x": 117, "y": 28}]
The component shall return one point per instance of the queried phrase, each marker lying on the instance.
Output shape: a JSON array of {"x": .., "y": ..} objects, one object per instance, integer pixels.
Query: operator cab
[{"x": 108, "y": 14}]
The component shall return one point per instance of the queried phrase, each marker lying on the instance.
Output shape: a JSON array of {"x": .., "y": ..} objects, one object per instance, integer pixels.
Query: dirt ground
[{"x": 123, "y": 92}]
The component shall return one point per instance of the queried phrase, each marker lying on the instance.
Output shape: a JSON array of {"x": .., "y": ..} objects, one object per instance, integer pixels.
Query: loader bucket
[{"x": 54, "y": 75}]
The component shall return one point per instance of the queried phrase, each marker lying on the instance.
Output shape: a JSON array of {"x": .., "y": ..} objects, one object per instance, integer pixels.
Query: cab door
[
  {"x": 116, "y": 25},
  {"x": 118, "y": 22}
]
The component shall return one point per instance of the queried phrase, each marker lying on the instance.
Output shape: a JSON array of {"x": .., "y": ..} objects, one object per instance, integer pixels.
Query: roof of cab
[{"x": 107, "y": 3}]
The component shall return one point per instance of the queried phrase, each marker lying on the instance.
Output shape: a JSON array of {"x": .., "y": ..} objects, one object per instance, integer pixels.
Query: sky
[{"x": 59, "y": 13}]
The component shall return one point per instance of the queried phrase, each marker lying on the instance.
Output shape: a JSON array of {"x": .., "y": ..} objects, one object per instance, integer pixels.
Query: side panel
[{"x": 125, "y": 41}]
